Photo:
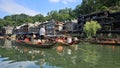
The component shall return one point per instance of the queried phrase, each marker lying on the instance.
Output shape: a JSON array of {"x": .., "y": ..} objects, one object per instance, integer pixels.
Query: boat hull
[
  {"x": 104, "y": 41},
  {"x": 45, "y": 45}
]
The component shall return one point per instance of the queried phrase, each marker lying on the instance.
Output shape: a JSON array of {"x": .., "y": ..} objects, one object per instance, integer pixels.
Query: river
[{"x": 83, "y": 55}]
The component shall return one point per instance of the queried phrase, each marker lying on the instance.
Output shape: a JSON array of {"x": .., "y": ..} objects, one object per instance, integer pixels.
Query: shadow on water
[{"x": 83, "y": 55}]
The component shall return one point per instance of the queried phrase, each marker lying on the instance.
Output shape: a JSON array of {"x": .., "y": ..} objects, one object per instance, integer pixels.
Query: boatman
[{"x": 42, "y": 33}]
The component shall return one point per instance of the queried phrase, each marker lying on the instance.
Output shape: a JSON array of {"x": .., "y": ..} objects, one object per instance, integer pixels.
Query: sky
[{"x": 34, "y": 7}]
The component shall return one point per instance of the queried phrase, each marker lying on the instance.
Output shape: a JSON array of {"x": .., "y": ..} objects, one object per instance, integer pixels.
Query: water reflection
[{"x": 12, "y": 55}]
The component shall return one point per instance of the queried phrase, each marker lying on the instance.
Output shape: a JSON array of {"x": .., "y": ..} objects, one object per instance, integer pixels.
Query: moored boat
[
  {"x": 118, "y": 41},
  {"x": 105, "y": 41}
]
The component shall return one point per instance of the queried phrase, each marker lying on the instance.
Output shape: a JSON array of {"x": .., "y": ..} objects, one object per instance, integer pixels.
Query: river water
[{"x": 83, "y": 55}]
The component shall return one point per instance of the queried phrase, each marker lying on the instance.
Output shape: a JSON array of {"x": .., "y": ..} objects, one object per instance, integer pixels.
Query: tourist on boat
[
  {"x": 75, "y": 39},
  {"x": 69, "y": 40},
  {"x": 38, "y": 41},
  {"x": 42, "y": 33},
  {"x": 34, "y": 36},
  {"x": 60, "y": 39},
  {"x": 27, "y": 40},
  {"x": 64, "y": 40},
  {"x": 24, "y": 36}
]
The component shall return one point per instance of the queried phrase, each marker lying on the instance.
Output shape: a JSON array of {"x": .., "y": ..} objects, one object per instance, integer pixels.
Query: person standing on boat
[{"x": 42, "y": 33}]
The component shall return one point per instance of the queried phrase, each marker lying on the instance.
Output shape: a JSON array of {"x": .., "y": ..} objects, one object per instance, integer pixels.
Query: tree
[
  {"x": 91, "y": 27},
  {"x": 39, "y": 18}
]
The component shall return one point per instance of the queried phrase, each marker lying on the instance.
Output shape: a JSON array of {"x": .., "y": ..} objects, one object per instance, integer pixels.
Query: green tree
[
  {"x": 1, "y": 23},
  {"x": 61, "y": 15},
  {"x": 39, "y": 18},
  {"x": 91, "y": 27}
]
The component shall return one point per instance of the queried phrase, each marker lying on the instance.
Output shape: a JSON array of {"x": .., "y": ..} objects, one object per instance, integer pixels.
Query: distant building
[
  {"x": 109, "y": 21},
  {"x": 58, "y": 26},
  {"x": 71, "y": 27},
  {"x": 8, "y": 30},
  {"x": 2, "y": 32},
  {"x": 52, "y": 27},
  {"x": 33, "y": 27}
]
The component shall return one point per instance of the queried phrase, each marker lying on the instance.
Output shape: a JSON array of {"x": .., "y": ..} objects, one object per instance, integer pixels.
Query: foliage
[
  {"x": 91, "y": 27},
  {"x": 61, "y": 15},
  {"x": 90, "y": 6}
]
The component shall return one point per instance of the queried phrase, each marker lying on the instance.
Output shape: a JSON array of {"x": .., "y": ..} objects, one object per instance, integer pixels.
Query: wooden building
[
  {"x": 109, "y": 21},
  {"x": 53, "y": 27},
  {"x": 70, "y": 27},
  {"x": 8, "y": 30}
]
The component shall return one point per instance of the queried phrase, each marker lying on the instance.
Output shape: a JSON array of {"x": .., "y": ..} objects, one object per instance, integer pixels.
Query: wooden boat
[
  {"x": 68, "y": 44},
  {"x": 63, "y": 40},
  {"x": 118, "y": 41},
  {"x": 44, "y": 45},
  {"x": 105, "y": 41}
]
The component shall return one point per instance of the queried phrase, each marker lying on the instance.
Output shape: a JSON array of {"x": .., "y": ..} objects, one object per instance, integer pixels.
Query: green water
[{"x": 83, "y": 55}]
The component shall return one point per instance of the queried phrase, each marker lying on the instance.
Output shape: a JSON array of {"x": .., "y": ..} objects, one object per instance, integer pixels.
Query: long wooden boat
[
  {"x": 104, "y": 41},
  {"x": 118, "y": 41},
  {"x": 44, "y": 45}
]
